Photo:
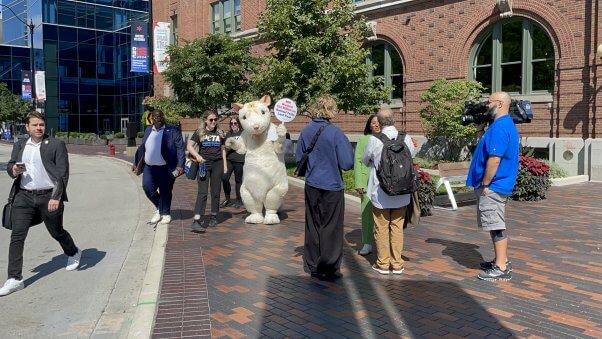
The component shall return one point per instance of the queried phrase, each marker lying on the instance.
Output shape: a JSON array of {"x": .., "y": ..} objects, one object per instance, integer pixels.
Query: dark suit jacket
[
  {"x": 55, "y": 160},
  {"x": 172, "y": 147}
]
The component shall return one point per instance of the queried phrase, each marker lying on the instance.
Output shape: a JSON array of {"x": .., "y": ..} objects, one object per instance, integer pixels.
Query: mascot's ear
[
  {"x": 266, "y": 100},
  {"x": 237, "y": 107}
]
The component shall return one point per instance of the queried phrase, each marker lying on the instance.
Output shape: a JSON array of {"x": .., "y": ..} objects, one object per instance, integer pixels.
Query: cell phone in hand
[{"x": 21, "y": 166}]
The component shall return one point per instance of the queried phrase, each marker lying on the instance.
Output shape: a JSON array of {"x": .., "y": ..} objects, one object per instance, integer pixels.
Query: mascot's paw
[
  {"x": 255, "y": 218},
  {"x": 271, "y": 219},
  {"x": 231, "y": 143},
  {"x": 281, "y": 131}
]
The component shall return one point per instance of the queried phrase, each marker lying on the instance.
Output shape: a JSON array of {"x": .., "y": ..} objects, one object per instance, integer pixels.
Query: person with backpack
[{"x": 391, "y": 182}]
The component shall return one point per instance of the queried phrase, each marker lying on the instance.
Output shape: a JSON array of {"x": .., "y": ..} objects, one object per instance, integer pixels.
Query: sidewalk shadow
[
  {"x": 367, "y": 305},
  {"x": 463, "y": 253},
  {"x": 355, "y": 237},
  {"x": 90, "y": 257}
]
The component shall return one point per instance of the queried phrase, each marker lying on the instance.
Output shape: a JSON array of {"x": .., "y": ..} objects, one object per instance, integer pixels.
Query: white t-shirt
[{"x": 152, "y": 154}]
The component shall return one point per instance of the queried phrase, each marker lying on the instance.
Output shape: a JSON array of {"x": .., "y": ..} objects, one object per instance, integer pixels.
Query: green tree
[
  {"x": 315, "y": 47},
  {"x": 210, "y": 73},
  {"x": 171, "y": 107},
  {"x": 440, "y": 117},
  {"x": 12, "y": 107}
]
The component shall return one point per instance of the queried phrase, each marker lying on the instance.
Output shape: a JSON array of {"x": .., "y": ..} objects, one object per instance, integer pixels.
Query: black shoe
[
  {"x": 198, "y": 226},
  {"x": 236, "y": 203},
  {"x": 495, "y": 273},
  {"x": 489, "y": 265},
  {"x": 330, "y": 276},
  {"x": 225, "y": 203},
  {"x": 212, "y": 221}
]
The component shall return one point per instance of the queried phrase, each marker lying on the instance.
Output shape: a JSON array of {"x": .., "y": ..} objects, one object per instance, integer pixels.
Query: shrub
[
  {"x": 140, "y": 135},
  {"x": 119, "y": 135},
  {"x": 440, "y": 116},
  {"x": 556, "y": 171},
  {"x": 426, "y": 192},
  {"x": 60, "y": 134},
  {"x": 533, "y": 180},
  {"x": 103, "y": 136},
  {"x": 424, "y": 163}
]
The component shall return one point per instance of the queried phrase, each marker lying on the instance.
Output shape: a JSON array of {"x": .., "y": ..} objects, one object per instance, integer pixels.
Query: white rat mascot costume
[{"x": 264, "y": 182}]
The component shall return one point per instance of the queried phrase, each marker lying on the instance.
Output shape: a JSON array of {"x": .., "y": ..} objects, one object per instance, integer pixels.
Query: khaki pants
[{"x": 388, "y": 237}]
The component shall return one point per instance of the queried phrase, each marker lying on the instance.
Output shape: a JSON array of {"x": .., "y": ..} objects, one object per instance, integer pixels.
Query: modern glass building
[{"x": 84, "y": 48}]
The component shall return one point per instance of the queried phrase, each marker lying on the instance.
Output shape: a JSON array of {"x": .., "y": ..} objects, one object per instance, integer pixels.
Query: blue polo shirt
[{"x": 501, "y": 139}]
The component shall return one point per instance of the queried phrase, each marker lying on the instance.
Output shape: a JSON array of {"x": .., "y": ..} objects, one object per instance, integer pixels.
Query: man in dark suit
[
  {"x": 162, "y": 155},
  {"x": 40, "y": 166}
]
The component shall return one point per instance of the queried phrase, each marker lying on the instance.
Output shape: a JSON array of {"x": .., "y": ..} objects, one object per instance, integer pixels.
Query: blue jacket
[
  {"x": 172, "y": 147},
  {"x": 331, "y": 154}
]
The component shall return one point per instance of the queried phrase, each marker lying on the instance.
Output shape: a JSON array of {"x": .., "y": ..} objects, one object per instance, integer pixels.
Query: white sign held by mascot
[{"x": 264, "y": 182}]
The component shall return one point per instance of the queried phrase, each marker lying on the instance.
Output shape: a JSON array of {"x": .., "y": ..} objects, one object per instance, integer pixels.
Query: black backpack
[{"x": 396, "y": 172}]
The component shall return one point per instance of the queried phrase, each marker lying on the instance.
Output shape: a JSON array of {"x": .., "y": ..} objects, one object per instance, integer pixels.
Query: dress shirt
[
  {"x": 371, "y": 157},
  {"x": 35, "y": 176},
  {"x": 152, "y": 155}
]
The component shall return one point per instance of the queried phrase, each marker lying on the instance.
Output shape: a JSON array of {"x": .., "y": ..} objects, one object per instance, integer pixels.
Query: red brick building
[{"x": 544, "y": 51}]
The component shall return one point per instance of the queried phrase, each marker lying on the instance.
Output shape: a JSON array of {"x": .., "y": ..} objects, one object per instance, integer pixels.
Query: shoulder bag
[{"x": 302, "y": 167}]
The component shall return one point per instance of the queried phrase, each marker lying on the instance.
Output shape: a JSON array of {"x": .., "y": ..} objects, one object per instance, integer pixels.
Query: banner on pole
[
  {"x": 161, "y": 33},
  {"x": 26, "y": 85},
  {"x": 40, "y": 79},
  {"x": 139, "y": 40}
]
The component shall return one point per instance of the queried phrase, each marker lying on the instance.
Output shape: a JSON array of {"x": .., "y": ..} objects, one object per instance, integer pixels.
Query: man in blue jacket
[
  {"x": 161, "y": 155},
  {"x": 493, "y": 172},
  {"x": 324, "y": 194}
]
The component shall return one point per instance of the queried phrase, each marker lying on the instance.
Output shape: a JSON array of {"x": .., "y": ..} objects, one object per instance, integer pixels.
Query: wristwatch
[{"x": 485, "y": 186}]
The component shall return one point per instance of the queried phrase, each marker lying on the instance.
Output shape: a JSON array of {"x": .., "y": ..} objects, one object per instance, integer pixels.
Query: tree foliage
[
  {"x": 12, "y": 107},
  {"x": 315, "y": 47},
  {"x": 172, "y": 108},
  {"x": 445, "y": 101},
  {"x": 210, "y": 73}
]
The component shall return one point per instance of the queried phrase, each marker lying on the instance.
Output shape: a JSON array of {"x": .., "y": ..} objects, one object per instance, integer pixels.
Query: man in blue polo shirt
[{"x": 492, "y": 173}]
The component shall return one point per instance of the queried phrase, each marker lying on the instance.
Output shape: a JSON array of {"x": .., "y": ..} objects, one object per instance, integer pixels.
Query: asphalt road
[{"x": 106, "y": 216}]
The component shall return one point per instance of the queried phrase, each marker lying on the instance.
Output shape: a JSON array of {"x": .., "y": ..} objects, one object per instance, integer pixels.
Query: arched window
[
  {"x": 388, "y": 65},
  {"x": 514, "y": 56}
]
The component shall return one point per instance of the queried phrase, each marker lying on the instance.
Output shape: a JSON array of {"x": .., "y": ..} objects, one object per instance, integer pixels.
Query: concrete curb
[
  {"x": 349, "y": 199},
  {"x": 144, "y": 316},
  {"x": 142, "y": 323},
  {"x": 570, "y": 180}
]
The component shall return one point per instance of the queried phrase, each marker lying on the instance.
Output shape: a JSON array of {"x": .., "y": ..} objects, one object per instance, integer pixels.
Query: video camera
[{"x": 476, "y": 113}]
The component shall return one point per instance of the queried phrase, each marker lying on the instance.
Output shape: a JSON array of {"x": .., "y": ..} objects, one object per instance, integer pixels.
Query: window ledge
[
  {"x": 535, "y": 98},
  {"x": 249, "y": 33},
  {"x": 376, "y": 5}
]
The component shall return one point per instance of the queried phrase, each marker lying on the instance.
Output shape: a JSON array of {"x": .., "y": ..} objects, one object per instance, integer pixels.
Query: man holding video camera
[{"x": 493, "y": 172}]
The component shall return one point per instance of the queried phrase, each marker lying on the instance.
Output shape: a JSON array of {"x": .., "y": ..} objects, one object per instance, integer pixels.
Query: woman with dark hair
[
  {"x": 206, "y": 145},
  {"x": 235, "y": 163},
  {"x": 362, "y": 173}
]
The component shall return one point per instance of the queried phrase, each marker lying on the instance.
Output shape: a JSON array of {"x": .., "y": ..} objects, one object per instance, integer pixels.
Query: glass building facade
[{"x": 84, "y": 48}]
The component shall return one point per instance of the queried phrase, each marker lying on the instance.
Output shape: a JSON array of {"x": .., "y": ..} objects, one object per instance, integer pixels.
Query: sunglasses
[
  {"x": 233, "y": 123},
  {"x": 212, "y": 120}
]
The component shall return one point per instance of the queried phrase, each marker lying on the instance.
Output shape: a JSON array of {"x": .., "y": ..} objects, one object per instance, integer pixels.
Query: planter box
[
  {"x": 120, "y": 141},
  {"x": 138, "y": 141},
  {"x": 462, "y": 199}
]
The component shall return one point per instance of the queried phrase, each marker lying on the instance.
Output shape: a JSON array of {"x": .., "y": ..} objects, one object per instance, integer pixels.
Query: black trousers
[
  {"x": 26, "y": 207},
  {"x": 324, "y": 218},
  {"x": 235, "y": 167},
  {"x": 211, "y": 181}
]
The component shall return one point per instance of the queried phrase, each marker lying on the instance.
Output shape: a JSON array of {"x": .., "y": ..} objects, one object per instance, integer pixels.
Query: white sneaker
[
  {"x": 367, "y": 249},
  {"x": 380, "y": 270},
  {"x": 10, "y": 286},
  {"x": 73, "y": 262},
  {"x": 156, "y": 217},
  {"x": 398, "y": 271},
  {"x": 166, "y": 219}
]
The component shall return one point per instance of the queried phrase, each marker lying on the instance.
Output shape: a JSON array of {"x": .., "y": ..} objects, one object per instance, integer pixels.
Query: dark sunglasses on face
[
  {"x": 233, "y": 123},
  {"x": 212, "y": 120}
]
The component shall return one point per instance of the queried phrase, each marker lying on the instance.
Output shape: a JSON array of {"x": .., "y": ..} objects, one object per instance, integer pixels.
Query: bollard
[{"x": 111, "y": 150}]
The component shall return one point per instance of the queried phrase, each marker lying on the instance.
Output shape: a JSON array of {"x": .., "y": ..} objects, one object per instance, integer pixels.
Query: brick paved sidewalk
[{"x": 241, "y": 280}]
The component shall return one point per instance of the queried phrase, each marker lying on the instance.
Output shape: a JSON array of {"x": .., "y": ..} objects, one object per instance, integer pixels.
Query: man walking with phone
[{"x": 40, "y": 167}]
